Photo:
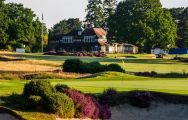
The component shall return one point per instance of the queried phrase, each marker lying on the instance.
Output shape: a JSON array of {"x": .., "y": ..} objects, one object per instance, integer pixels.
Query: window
[
  {"x": 89, "y": 38},
  {"x": 67, "y": 39}
]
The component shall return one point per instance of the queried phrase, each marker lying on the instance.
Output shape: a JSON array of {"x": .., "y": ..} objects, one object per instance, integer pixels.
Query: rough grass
[{"x": 26, "y": 66}]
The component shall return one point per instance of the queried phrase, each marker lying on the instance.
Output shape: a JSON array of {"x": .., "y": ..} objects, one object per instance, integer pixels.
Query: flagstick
[
  {"x": 122, "y": 71},
  {"x": 42, "y": 34}
]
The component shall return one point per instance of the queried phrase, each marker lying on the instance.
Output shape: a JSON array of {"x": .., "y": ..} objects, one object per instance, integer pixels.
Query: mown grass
[
  {"x": 119, "y": 81},
  {"x": 96, "y": 84}
]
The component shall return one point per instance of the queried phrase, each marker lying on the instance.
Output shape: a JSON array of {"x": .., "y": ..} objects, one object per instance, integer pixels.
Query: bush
[
  {"x": 105, "y": 112},
  {"x": 38, "y": 88},
  {"x": 141, "y": 99},
  {"x": 147, "y": 74},
  {"x": 109, "y": 97},
  {"x": 93, "y": 67},
  {"x": 76, "y": 65},
  {"x": 34, "y": 101},
  {"x": 73, "y": 65},
  {"x": 61, "y": 88},
  {"x": 162, "y": 75},
  {"x": 101, "y": 111},
  {"x": 115, "y": 67},
  {"x": 86, "y": 105},
  {"x": 61, "y": 105}
]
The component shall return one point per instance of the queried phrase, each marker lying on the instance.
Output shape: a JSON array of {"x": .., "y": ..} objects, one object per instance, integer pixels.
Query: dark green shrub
[
  {"x": 60, "y": 104},
  {"x": 61, "y": 88},
  {"x": 38, "y": 88},
  {"x": 34, "y": 101},
  {"x": 94, "y": 67},
  {"x": 76, "y": 65},
  {"x": 73, "y": 65},
  {"x": 109, "y": 97},
  {"x": 115, "y": 67}
]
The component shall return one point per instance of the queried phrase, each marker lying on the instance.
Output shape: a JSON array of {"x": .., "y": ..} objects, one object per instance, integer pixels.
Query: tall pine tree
[
  {"x": 109, "y": 7},
  {"x": 95, "y": 13}
]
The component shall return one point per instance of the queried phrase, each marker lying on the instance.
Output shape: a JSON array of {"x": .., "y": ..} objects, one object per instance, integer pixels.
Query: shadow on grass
[
  {"x": 92, "y": 76},
  {"x": 5, "y": 59},
  {"x": 16, "y": 102}
]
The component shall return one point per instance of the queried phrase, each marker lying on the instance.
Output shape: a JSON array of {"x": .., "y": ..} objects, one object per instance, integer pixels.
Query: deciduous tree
[
  {"x": 180, "y": 16},
  {"x": 143, "y": 23},
  {"x": 64, "y": 27}
]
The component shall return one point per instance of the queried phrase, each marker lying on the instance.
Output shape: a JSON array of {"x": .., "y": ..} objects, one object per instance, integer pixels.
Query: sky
[{"x": 56, "y": 10}]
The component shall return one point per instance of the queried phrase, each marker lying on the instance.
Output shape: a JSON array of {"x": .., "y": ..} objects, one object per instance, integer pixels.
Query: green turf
[
  {"x": 140, "y": 62},
  {"x": 99, "y": 82}
]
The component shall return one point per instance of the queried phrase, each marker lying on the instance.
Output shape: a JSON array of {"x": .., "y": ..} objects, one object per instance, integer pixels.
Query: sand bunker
[
  {"x": 6, "y": 116},
  {"x": 158, "y": 111}
]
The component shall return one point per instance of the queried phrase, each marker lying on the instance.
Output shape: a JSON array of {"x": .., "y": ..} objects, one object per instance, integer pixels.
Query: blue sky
[{"x": 56, "y": 10}]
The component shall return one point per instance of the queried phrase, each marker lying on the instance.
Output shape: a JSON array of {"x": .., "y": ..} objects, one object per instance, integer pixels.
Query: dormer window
[{"x": 79, "y": 33}]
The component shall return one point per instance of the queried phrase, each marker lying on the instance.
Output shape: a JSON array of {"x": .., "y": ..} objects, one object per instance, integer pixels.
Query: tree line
[
  {"x": 180, "y": 17},
  {"x": 144, "y": 23},
  {"x": 19, "y": 27},
  {"x": 140, "y": 22}
]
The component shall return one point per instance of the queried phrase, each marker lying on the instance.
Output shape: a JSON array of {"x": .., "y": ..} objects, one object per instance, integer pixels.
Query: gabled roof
[
  {"x": 100, "y": 32},
  {"x": 72, "y": 33}
]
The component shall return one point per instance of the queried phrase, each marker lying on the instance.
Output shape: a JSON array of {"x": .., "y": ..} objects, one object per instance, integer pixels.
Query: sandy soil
[
  {"x": 158, "y": 111},
  {"x": 5, "y": 116}
]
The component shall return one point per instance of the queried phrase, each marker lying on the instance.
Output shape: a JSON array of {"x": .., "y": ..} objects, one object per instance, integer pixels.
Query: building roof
[
  {"x": 123, "y": 44},
  {"x": 100, "y": 32},
  {"x": 129, "y": 45}
]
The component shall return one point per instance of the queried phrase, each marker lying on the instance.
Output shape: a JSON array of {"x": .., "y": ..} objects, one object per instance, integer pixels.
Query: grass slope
[{"x": 98, "y": 82}]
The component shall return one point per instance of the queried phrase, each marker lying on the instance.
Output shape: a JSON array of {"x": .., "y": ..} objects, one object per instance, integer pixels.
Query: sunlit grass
[{"x": 122, "y": 82}]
